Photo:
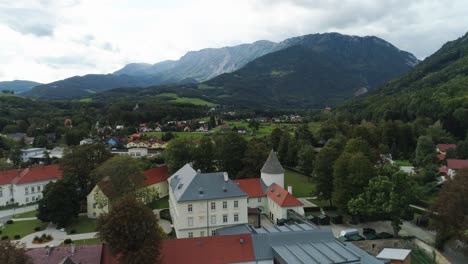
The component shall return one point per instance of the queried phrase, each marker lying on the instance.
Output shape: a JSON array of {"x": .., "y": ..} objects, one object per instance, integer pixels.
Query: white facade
[
  {"x": 202, "y": 218},
  {"x": 26, "y": 154},
  {"x": 276, "y": 212},
  {"x": 269, "y": 179},
  {"x": 22, "y": 193}
]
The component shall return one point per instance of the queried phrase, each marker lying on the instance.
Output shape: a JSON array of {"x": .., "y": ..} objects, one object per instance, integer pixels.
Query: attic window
[
  {"x": 278, "y": 194},
  {"x": 272, "y": 190},
  {"x": 180, "y": 186}
]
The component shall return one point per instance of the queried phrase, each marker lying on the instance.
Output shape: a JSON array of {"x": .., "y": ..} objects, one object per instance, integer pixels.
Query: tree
[
  {"x": 254, "y": 124},
  {"x": 351, "y": 173},
  {"x": 178, "y": 153},
  {"x": 306, "y": 158},
  {"x": 15, "y": 156},
  {"x": 254, "y": 158},
  {"x": 425, "y": 151},
  {"x": 131, "y": 230},
  {"x": 462, "y": 150},
  {"x": 13, "y": 253},
  {"x": 303, "y": 134},
  {"x": 40, "y": 141},
  {"x": 292, "y": 154},
  {"x": 167, "y": 136},
  {"x": 78, "y": 164},
  {"x": 230, "y": 149},
  {"x": 124, "y": 173},
  {"x": 355, "y": 145},
  {"x": 204, "y": 155},
  {"x": 275, "y": 138},
  {"x": 283, "y": 147},
  {"x": 60, "y": 203},
  {"x": 452, "y": 209},
  {"x": 323, "y": 171},
  {"x": 212, "y": 123}
]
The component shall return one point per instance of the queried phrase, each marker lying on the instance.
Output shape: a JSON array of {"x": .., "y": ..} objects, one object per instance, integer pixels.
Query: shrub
[
  {"x": 49, "y": 237},
  {"x": 67, "y": 241},
  {"x": 1, "y": 231},
  {"x": 17, "y": 237},
  {"x": 9, "y": 222},
  {"x": 73, "y": 231},
  {"x": 36, "y": 238},
  {"x": 4, "y": 237},
  {"x": 37, "y": 228}
]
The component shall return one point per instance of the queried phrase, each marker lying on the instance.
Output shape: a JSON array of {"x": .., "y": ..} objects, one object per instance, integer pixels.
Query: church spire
[{"x": 272, "y": 165}]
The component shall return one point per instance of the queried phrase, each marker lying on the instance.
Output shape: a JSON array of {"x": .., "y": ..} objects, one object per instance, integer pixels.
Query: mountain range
[
  {"x": 18, "y": 86},
  {"x": 299, "y": 71}
]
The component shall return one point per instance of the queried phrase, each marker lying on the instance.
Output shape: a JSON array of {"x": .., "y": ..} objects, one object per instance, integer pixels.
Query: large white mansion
[{"x": 201, "y": 203}]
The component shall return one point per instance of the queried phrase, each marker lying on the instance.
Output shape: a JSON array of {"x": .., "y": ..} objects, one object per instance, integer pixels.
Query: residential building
[
  {"x": 86, "y": 141},
  {"x": 201, "y": 203},
  {"x": 29, "y": 153},
  {"x": 132, "y": 152},
  {"x": 155, "y": 187},
  {"x": 395, "y": 255},
  {"x": 443, "y": 148},
  {"x": 454, "y": 165},
  {"x": 89, "y": 254},
  {"x": 23, "y": 186}
]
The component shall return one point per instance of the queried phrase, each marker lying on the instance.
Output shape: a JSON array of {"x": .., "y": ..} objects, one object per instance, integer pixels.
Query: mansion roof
[
  {"x": 282, "y": 197},
  {"x": 34, "y": 174}
]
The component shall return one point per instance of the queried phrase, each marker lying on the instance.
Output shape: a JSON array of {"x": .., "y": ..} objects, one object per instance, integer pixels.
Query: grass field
[
  {"x": 160, "y": 204},
  {"x": 185, "y": 100},
  {"x": 86, "y": 100},
  {"x": 192, "y": 135},
  {"x": 302, "y": 185},
  {"x": 22, "y": 228},
  {"x": 26, "y": 214},
  {"x": 264, "y": 130},
  {"x": 82, "y": 224},
  {"x": 402, "y": 163}
]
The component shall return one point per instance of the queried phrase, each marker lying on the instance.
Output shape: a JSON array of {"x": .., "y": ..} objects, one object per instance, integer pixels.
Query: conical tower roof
[{"x": 272, "y": 164}]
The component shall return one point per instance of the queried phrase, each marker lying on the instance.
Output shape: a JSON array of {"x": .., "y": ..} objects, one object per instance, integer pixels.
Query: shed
[{"x": 395, "y": 255}]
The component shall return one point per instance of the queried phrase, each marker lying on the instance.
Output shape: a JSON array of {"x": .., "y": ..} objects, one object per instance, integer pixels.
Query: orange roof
[
  {"x": 208, "y": 250},
  {"x": 445, "y": 147},
  {"x": 441, "y": 157},
  {"x": 253, "y": 187},
  {"x": 281, "y": 197},
  {"x": 156, "y": 175},
  {"x": 7, "y": 176},
  {"x": 443, "y": 169},
  {"x": 34, "y": 174},
  {"x": 457, "y": 164}
]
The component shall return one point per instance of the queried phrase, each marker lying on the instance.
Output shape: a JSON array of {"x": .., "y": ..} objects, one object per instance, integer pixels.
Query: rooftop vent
[
  {"x": 224, "y": 188},
  {"x": 278, "y": 194},
  {"x": 200, "y": 190},
  {"x": 226, "y": 177},
  {"x": 180, "y": 186},
  {"x": 198, "y": 171},
  {"x": 272, "y": 190}
]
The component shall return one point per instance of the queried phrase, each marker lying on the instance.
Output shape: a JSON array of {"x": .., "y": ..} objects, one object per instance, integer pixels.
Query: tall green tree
[
  {"x": 131, "y": 230},
  {"x": 462, "y": 150},
  {"x": 254, "y": 158},
  {"x": 283, "y": 148},
  {"x": 179, "y": 152},
  {"x": 78, "y": 164},
  {"x": 124, "y": 173},
  {"x": 204, "y": 155},
  {"x": 323, "y": 171},
  {"x": 352, "y": 172},
  {"x": 355, "y": 145},
  {"x": 425, "y": 151},
  {"x": 303, "y": 133},
  {"x": 230, "y": 149},
  {"x": 60, "y": 203},
  {"x": 306, "y": 158},
  {"x": 275, "y": 138},
  {"x": 13, "y": 253}
]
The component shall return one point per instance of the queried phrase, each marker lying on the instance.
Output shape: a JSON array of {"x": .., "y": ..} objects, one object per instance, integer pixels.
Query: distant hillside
[
  {"x": 18, "y": 86},
  {"x": 203, "y": 64},
  {"x": 436, "y": 88},
  {"x": 315, "y": 71}
]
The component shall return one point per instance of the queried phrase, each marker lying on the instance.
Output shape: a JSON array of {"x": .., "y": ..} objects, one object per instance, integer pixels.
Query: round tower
[{"x": 272, "y": 171}]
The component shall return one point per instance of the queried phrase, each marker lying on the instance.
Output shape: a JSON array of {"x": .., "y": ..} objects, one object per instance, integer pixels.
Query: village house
[
  {"x": 442, "y": 150},
  {"x": 23, "y": 186},
  {"x": 454, "y": 165},
  {"x": 29, "y": 153},
  {"x": 155, "y": 187}
]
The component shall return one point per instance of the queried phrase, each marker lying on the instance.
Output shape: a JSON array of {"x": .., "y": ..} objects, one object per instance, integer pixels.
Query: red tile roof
[
  {"x": 253, "y": 187},
  {"x": 445, "y": 147},
  {"x": 156, "y": 175},
  {"x": 281, "y": 197},
  {"x": 208, "y": 250},
  {"x": 90, "y": 254},
  {"x": 457, "y": 164},
  {"x": 441, "y": 157},
  {"x": 443, "y": 169},
  {"x": 20, "y": 176}
]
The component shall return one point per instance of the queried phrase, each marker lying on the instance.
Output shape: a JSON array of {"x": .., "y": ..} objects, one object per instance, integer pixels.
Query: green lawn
[
  {"x": 91, "y": 241},
  {"x": 82, "y": 224},
  {"x": 160, "y": 204},
  {"x": 185, "y": 100},
  {"x": 403, "y": 163},
  {"x": 86, "y": 100},
  {"x": 26, "y": 214},
  {"x": 302, "y": 185},
  {"x": 319, "y": 203},
  {"x": 192, "y": 135},
  {"x": 22, "y": 228}
]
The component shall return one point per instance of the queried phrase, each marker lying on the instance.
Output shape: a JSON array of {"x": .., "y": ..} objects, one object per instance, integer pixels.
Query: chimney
[
  {"x": 198, "y": 171},
  {"x": 290, "y": 188},
  {"x": 73, "y": 249},
  {"x": 225, "y": 174},
  {"x": 241, "y": 240}
]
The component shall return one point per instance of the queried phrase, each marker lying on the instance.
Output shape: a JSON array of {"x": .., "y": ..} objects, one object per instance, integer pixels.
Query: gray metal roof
[
  {"x": 189, "y": 185},
  {"x": 272, "y": 165},
  {"x": 235, "y": 230}
]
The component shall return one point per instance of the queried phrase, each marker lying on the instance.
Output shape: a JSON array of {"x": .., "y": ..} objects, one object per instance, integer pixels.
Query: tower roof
[{"x": 272, "y": 165}]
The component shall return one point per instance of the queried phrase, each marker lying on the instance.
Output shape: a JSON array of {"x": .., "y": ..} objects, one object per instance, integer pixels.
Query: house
[
  {"x": 30, "y": 153},
  {"x": 158, "y": 129},
  {"x": 201, "y": 203},
  {"x": 443, "y": 148},
  {"x": 132, "y": 145},
  {"x": 132, "y": 152},
  {"x": 453, "y": 165},
  {"x": 112, "y": 141},
  {"x": 187, "y": 129},
  {"x": 119, "y": 127},
  {"x": 86, "y": 141},
  {"x": 280, "y": 201},
  {"x": 23, "y": 186},
  {"x": 395, "y": 255},
  {"x": 155, "y": 187},
  {"x": 89, "y": 254}
]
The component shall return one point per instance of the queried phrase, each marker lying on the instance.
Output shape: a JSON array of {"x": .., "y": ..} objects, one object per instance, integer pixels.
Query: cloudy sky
[{"x": 47, "y": 40}]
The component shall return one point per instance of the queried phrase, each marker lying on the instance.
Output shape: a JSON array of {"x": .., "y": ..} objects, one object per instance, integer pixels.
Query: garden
[{"x": 18, "y": 229}]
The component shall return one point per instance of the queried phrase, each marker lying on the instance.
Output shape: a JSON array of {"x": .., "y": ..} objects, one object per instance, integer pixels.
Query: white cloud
[{"x": 53, "y": 39}]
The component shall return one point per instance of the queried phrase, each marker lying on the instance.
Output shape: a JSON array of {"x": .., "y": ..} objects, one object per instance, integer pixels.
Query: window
[
  {"x": 38, "y": 197},
  {"x": 190, "y": 234},
  {"x": 236, "y": 204},
  {"x": 38, "y": 188},
  {"x": 202, "y": 233},
  {"x": 189, "y": 207},
  {"x": 190, "y": 221},
  {"x": 224, "y": 205},
  {"x": 26, "y": 190},
  {"x": 32, "y": 189},
  {"x": 94, "y": 213},
  {"x": 225, "y": 219},
  {"x": 259, "y": 199},
  {"x": 94, "y": 205},
  {"x": 27, "y": 200},
  {"x": 213, "y": 219},
  {"x": 213, "y": 232},
  {"x": 201, "y": 219},
  {"x": 236, "y": 217},
  {"x": 213, "y": 206},
  {"x": 1, "y": 193}
]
